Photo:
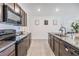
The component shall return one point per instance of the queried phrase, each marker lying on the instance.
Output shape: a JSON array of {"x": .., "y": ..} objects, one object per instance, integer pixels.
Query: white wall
[
  {"x": 65, "y": 16},
  {"x": 41, "y": 31}
]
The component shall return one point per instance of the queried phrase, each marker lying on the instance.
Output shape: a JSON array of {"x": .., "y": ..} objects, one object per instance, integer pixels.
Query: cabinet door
[
  {"x": 11, "y": 5},
  {"x": 1, "y": 10},
  {"x": 56, "y": 51},
  {"x": 19, "y": 49},
  {"x": 23, "y": 18},
  {"x": 27, "y": 43},
  {"x": 23, "y": 46},
  {"x": 50, "y": 40},
  {"x": 64, "y": 50},
  {"x": 29, "y": 39},
  {"x": 49, "y": 37},
  {"x": 24, "y": 51},
  {"x": 17, "y": 8},
  {"x": 52, "y": 43}
]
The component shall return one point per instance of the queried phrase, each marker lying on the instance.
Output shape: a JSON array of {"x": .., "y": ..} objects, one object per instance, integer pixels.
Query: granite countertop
[
  {"x": 73, "y": 42},
  {"x": 5, "y": 44},
  {"x": 21, "y": 36}
]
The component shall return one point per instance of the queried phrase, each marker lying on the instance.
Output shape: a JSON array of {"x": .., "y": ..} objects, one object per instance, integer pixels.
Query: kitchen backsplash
[{"x": 9, "y": 26}]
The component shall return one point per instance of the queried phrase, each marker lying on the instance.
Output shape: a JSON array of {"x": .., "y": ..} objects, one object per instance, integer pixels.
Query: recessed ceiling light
[
  {"x": 38, "y": 9},
  {"x": 57, "y": 9}
]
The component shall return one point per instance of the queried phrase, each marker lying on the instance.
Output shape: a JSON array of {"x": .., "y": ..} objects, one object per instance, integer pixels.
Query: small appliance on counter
[
  {"x": 19, "y": 33},
  {"x": 7, "y": 34}
]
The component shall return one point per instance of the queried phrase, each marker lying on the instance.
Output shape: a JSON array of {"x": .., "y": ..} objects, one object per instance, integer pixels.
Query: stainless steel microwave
[{"x": 10, "y": 16}]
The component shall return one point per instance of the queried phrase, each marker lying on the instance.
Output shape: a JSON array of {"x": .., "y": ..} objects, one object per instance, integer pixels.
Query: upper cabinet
[
  {"x": 16, "y": 9},
  {"x": 10, "y": 16},
  {"x": 14, "y": 6},
  {"x": 1, "y": 10},
  {"x": 11, "y": 5},
  {"x": 25, "y": 19}
]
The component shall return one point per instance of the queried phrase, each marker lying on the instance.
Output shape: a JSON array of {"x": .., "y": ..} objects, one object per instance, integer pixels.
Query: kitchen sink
[{"x": 61, "y": 35}]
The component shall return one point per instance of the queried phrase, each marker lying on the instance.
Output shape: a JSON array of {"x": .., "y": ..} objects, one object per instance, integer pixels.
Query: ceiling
[{"x": 49, "y": 9}]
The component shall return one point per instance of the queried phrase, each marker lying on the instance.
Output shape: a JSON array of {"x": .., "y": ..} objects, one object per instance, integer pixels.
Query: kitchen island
[{"x": 63, "y": 45}]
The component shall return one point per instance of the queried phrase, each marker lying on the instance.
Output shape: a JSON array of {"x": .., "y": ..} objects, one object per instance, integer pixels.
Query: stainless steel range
[{"x": 7, "y": 34}]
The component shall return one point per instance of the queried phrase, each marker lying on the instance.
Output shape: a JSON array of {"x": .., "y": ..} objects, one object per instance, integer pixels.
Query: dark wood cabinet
[
  {"x": 15, "y": 8},
  {"x": 23, "y": 18},
  {"x": 20, "y": 48},
  {"x": 64, "y": 50},
  {"x": 56, "y": 46},
  {"x": 51, "y": 42},
  {"x": 60, "y": 47},
  {"x": 10, "y": 51},
  {"x": 23, "y": 45},
  {"x": 11, "y": 5},
  {"x": 49, "y": 39},
  {"x": 1, "y": 10}
]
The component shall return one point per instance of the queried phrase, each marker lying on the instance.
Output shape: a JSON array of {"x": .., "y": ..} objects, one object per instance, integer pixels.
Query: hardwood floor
[{"x": 40, "y": 47}]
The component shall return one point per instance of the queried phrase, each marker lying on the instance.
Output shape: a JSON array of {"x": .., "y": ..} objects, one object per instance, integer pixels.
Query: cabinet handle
[{"x": 67, "y": 49}]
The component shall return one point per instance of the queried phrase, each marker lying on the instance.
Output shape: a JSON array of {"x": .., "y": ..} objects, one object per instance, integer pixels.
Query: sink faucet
[{"x": 63, "y": 30}]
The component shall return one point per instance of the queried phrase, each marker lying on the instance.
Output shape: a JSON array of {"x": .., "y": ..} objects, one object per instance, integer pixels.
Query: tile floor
[{"x": 40, "y": 47}]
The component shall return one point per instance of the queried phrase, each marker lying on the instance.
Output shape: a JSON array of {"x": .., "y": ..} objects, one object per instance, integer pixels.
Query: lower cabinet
[
  {"x": 62, "y": 48},
  {"x": 49, "y": 39},
  {"x": 51, "y": 42},
  {"x": 56, "y": 46},
  {"x": 10, "y": 51},
  {"x": 20, "y": 51},
  {"x": 23, "y": 45}
]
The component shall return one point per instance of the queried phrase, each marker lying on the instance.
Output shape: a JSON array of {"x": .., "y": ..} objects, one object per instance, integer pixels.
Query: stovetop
[{"x": 7, "y": 31}]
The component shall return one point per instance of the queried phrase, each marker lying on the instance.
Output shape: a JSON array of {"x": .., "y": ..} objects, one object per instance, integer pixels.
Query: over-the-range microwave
[{"x": 10, "y": 16}]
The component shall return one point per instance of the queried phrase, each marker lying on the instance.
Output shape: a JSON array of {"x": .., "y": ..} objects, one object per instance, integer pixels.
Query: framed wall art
[
  {"x": 54, "y": 22},
  {"x": 36, "y": 22},
  {"x": 45, "y": 22}
]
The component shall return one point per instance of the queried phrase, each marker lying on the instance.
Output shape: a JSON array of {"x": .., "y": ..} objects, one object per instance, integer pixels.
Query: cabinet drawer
[{"x": 7, "y": 51}]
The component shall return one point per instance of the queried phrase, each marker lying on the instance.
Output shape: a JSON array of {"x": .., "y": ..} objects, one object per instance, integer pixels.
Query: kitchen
[{"x": 39, "y": 29}]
